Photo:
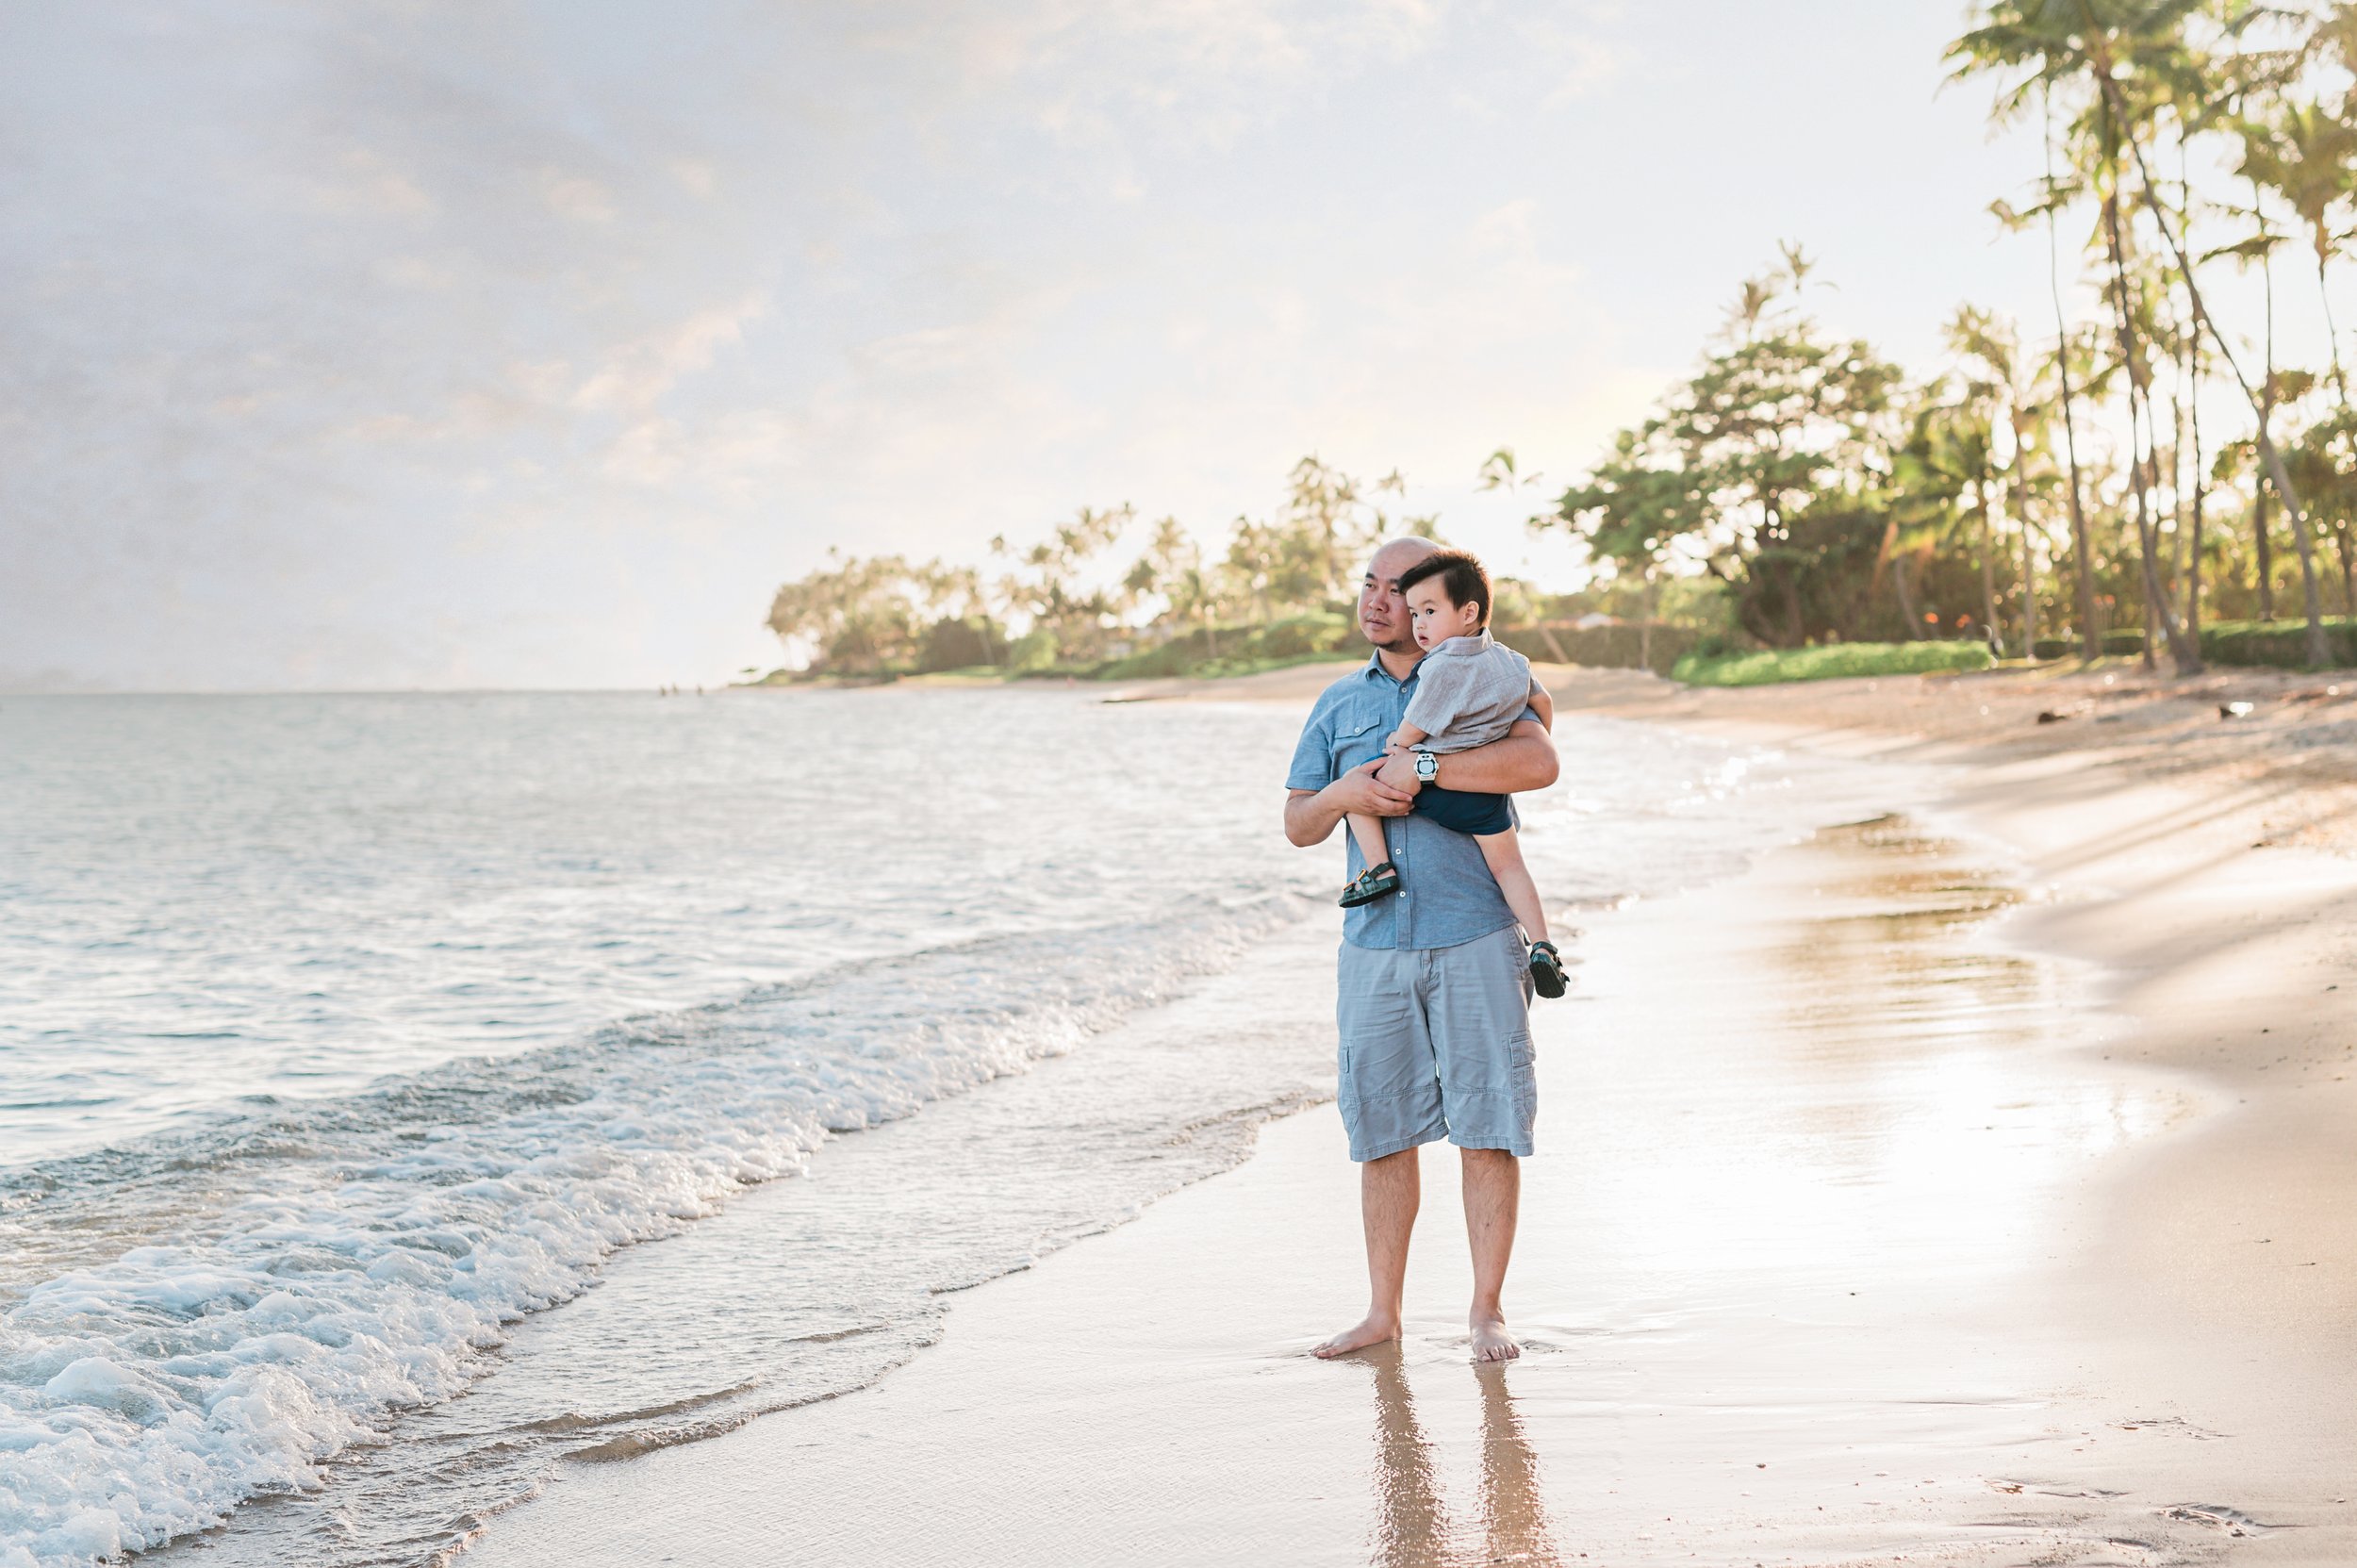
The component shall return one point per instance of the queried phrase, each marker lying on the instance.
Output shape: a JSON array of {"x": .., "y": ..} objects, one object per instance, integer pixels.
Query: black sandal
[
  {"x": 1546, "y": 969},
  {"x": 1372, "y": 884}
]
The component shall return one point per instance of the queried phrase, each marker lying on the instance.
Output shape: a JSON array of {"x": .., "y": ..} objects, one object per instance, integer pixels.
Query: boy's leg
[
  {"x": 1368, "y": 831},
  {"x": 1503, "y": 856}
]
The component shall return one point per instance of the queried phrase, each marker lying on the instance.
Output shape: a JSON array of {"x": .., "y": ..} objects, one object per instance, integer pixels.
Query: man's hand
[
  {"x": 1311, "y": 816},
  {"x": 1366, "y": 791},
  {"x": 1397, "y": 772}
]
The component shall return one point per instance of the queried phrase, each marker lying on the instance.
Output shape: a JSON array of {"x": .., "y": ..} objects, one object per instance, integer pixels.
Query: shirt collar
[{"x": 1374, "y": 669}]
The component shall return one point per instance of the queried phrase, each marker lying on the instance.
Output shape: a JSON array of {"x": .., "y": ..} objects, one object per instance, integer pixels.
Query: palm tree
[
  {"x": 2083, "y": 561},
  {"x": 2319, "y": 651},
  {"x": 2113, "y": 45},
  {"x": 2260, "y": 245},
  {"x": 1972, "y": 439},
  {"x": 2142, "y": 451},
  {"x": 2062, "y": 41},
  {"x": 1498, "y": 472},
  {"x": 1989, "y": 345},
  {"x": 1171, "y": 565}
]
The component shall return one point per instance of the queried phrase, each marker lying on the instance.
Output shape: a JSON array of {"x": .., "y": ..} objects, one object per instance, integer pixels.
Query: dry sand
[{"x": 1974, "y": 1188}]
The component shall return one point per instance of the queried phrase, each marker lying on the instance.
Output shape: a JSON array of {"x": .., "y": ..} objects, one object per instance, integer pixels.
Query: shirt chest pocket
[{"x": 1359, "y": 736}]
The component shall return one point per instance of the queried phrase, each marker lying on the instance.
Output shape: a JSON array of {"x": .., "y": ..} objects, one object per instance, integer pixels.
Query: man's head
[
  {"x": 1382, "y": 609},
  {"x": 1448, "y": 596}
]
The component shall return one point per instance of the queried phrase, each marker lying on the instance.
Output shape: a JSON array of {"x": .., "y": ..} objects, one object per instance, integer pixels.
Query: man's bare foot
[
  {"x": 1491, "y": 1343},
  {"x": 1374, "y": 1330}
]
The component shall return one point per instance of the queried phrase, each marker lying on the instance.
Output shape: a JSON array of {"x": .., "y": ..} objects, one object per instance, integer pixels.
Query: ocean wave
[{"x": 373, "y": 1248}]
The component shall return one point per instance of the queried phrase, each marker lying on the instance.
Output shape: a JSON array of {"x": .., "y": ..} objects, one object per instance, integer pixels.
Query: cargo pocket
[{"x": 1523, "y": 1073}]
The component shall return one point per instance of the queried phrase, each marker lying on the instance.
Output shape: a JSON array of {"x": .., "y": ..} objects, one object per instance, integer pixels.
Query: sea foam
[{"x": 394, "y": 1237}]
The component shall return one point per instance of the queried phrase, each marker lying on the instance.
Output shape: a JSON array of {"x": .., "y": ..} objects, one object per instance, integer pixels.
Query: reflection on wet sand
[{"x": 1413, "y": 1527}]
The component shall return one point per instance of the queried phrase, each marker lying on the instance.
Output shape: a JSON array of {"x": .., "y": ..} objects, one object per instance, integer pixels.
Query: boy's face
[{"x": 1435, "y": 619}]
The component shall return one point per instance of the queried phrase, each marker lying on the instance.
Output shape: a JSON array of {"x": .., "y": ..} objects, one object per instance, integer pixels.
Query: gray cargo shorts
[{"x": 1435, "y": 1043}]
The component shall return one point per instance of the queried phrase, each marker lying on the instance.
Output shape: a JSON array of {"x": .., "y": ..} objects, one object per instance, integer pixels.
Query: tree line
[
  {"x": 2047, "y": 489},
  {"x": 1076, "y": 597}
]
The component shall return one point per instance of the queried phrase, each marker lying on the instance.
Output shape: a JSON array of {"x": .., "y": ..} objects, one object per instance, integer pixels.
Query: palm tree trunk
[
  {"x": 1644, "y": 629},
  {"x": 1988, "y": 573},
  {"x": 2082, "y": 561},
  {"x": 2332, "y": 333},
  {"x": 2266, "y": 403},
  {"x": 2188, "y": 662},
  {"x": 2319, "y": 652},
  {"x": 2193, "y": 565},
  {"x": 2028, "y": 560},
  {"x": 1900, "y": 585},
  {"x": 2267, "y": 555}
]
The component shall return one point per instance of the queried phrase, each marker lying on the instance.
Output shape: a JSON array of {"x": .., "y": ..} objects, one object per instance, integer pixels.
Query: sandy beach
[{"x": 1969, "y": 1187}]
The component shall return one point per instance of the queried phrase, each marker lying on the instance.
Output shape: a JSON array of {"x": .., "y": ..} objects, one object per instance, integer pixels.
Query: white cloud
[
  {"x": 637, "y": 374},
  {"x": 591, "y": 334},
  {"x": 583, "y": 201}
]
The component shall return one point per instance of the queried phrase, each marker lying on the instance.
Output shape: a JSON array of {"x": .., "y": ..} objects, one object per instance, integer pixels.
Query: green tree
[
  {"x": 859, "y": 615},
  {"x": 2053, "y": 196},
  {"x": 1047, "y": 587},
  {"x": 2123, "y": 61},
  {"x": 1173, "y": 566},
  {"x": 1777, "y": 420}
]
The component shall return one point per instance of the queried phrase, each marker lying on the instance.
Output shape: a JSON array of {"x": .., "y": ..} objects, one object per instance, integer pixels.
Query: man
[{"x": 1433, "y": 1000}]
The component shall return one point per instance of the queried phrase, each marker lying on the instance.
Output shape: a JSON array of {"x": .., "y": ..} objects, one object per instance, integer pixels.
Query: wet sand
[{"x": 1972, "y": 1189}]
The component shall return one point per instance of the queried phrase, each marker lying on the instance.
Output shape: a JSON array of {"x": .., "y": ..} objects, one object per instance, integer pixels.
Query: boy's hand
[{"x": 1398, "y": 771}]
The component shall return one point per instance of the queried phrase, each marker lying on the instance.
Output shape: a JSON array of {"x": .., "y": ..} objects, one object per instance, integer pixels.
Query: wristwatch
[{"x": 1428, "y": 768}]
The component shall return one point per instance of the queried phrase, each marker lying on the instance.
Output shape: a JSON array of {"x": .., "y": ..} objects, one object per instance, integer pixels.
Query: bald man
[{"x": 1433, "y": 983}]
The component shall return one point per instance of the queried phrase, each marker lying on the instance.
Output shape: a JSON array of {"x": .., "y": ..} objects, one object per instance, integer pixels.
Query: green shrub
[
  {"x": 2120, "y": 642},
  {"x": 1033, "y": 650},
  {"x": 2282, "y": 644},
  {"x": 960, "y": 643},
  {"x": 1240, "y": 649},
  {"x": 1832, "y": 661},
  {"x": 1606, "y": 647}
]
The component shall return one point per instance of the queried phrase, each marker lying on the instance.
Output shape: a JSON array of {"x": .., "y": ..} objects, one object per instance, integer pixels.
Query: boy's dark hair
[{"x": 1461, "y": 578}]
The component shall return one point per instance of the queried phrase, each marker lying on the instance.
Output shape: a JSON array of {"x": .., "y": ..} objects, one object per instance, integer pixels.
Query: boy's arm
[
  {"x": 1524, "y": 760},
  {"x": 1405, "y": 736}
]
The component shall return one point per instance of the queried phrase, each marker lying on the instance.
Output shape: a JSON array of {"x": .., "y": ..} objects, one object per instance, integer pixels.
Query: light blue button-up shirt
[{"x": 1448, "y": 894}]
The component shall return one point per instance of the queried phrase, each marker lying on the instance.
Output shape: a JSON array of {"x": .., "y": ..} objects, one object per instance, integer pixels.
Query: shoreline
[{"x": 2177, "y": 1348}]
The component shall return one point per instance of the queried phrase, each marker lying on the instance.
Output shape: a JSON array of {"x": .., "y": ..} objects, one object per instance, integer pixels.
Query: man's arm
[
  {"x": 1311, "y": 814},
  {"x": 1524, "y": 760}
]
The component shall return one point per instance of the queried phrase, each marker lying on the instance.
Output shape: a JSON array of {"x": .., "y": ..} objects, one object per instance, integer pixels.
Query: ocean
[{"x": 354, "y": 1049}]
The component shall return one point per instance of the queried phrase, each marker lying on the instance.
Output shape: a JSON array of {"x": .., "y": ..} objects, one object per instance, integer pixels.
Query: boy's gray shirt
[
  {"x": 1469, "y": 692},
  {"x": 1448, "y": 895}
]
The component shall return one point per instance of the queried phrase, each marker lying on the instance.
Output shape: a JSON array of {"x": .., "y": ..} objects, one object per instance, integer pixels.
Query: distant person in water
[
  {"x": 1470, "y": 690},
  {"x": 1432, "y": 995}
]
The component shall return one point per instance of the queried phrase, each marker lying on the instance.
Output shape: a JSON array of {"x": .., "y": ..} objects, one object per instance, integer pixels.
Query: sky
[{"x": 401, "y": 344}]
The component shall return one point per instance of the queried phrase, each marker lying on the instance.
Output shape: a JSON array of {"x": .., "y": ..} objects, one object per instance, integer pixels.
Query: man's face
[{"x": 1382, "y": 609}]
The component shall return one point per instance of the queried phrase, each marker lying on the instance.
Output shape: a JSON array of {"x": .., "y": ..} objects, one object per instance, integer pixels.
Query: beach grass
[{"x": 1834, "y": 661}]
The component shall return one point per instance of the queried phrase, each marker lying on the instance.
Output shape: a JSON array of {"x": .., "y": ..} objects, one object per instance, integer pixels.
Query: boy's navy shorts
[{"x": 1463, "y": 811}]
